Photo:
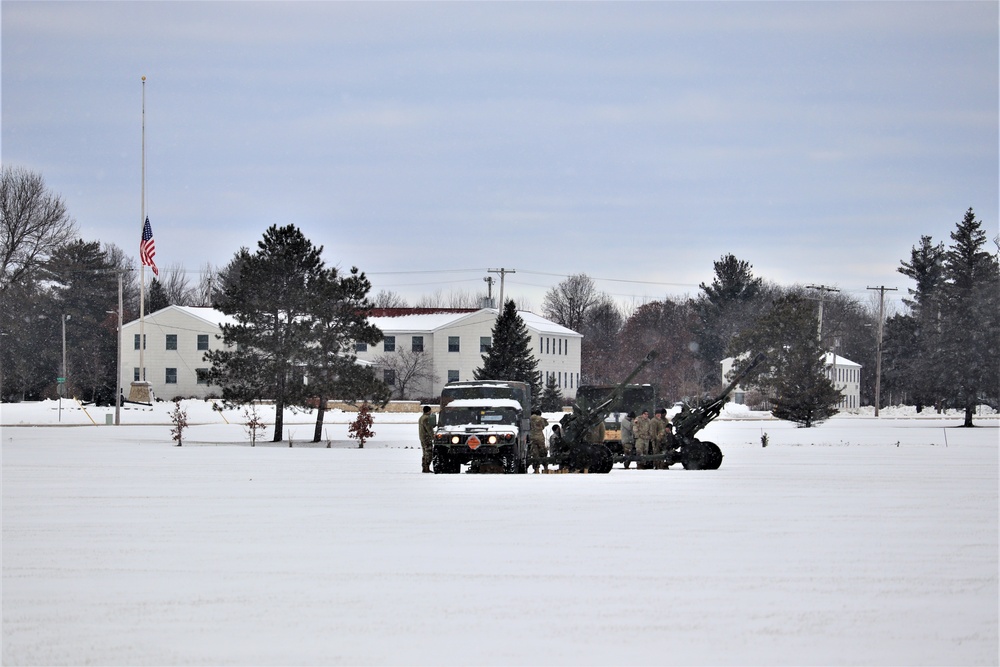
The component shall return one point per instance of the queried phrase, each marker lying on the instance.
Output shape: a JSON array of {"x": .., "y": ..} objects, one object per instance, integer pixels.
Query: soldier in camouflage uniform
[
  {"x": 425, "y": 426},
  {"x": 642, "y": 429},
  {"x": 537, "y": 438},
  {"x": 628, "y": 436},
  {"x": 658, "y": 435}
]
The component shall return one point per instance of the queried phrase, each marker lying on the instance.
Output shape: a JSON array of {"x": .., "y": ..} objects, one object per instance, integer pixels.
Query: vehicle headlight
[
  {"x": 492, "y": 440},
  {"x": 455, "y": 440}
]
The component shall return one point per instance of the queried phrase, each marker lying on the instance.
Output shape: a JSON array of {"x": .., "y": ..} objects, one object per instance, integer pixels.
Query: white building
[
  {"x": 844, "y": 373},
  {"x": 177, "y": 338},
  {"x": 456, "y": 339}
]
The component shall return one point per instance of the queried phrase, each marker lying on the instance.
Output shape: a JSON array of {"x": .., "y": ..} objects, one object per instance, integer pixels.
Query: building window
[
  {"x": 136, "y": 343},
  {"x": 171, "y": 376},
  {"x": 202, "y": 341},
  {"x": 171, "y": 341},
  {"x": 135, "y": 374},
  {"x": 453, "y": 344},
  {"x": 484, "y": 344},
  {"x": 417, "y": 344},
  {"x": 389, "y": 377},
  {"x": 361, "y": 347},
  {"x": 546, "y": 346},
  {"x": 202, "y": 374},
  {"x": 452, "y": 376},
  {"x": 560, "y": 345},
  {"x": 389, "y": 343}
]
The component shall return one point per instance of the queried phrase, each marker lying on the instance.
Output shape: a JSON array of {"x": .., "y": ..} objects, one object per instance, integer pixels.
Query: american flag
[{"x": 147, "y": 248}]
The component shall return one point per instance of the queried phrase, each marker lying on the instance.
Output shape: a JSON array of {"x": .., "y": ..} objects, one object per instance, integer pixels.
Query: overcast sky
[{"x": 428, "y": 142}]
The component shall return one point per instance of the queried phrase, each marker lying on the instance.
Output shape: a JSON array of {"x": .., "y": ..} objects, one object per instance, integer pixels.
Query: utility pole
[
  {"x": 502, "y": 272},
  {"x": 882, "y": 289},
  {"x": 823, "y": 289}
]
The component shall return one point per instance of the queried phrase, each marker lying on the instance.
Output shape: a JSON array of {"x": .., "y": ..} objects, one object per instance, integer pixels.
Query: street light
[{"x": 61, "y": 383}]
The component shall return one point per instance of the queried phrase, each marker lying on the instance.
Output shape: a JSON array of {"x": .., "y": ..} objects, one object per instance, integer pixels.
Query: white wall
[{"x": 184, "y": 360}]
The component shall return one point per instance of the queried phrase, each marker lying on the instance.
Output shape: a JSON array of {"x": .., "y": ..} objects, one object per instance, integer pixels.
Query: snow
[{"x": 863, "y": 541}]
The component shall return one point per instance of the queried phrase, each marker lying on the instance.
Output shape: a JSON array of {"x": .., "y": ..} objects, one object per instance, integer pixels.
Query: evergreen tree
[
  {"x": 510, "y": 356},
  {"x": 913, "y": 343},
  {"x": 156, "y": 299},
  {"x": 794, "y": 377},
  {"x": 340, "y": 319},
  {"x": 552, "y": 398},
  {"x": 970, "y": 329},
  {"x": 84, "y": 287},
  {"x": 271, "y": 295},
  {"x": 724, "y": 308}
]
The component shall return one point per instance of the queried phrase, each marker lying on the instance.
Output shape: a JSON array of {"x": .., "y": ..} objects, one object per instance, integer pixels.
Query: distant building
[
  {"x": 177, "y": 338},
  {"x": 844, "y": 373},
  {"x": 456, "y": 339}
]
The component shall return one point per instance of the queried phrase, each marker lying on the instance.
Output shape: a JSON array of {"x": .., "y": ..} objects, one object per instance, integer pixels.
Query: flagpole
[
  {"x": 139, "y": 391},
  {"x": 142, "y": 270}
]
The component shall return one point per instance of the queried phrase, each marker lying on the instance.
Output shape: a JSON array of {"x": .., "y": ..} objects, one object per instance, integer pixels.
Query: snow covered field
[{"x": 861, "y": 541}]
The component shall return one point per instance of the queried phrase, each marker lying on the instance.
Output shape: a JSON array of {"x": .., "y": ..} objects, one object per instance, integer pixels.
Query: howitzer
[
  {"x": 682, "y": 447},
  {"x": 577, "y": 451}
]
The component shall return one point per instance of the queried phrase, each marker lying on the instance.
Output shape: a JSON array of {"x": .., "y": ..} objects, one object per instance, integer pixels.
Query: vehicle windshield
[{"x": 457, "y": 416}]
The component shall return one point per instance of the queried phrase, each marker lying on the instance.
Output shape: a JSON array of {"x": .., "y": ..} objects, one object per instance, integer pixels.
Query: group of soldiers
[{"x": 642, "y": 436}]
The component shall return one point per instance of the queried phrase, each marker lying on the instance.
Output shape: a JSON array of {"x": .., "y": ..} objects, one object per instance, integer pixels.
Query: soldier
[
  {"x": 425, "y": 426},
  {"x": 628, "y": 437},
  {"x": 643, "y": 431},
  {"x": 537, "y": 438},
  {"x": 658, "y": 434}
]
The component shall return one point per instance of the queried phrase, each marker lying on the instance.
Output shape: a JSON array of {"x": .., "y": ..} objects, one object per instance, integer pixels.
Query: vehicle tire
[
  {"x": 439, "y": 461},
  {"x": 714, "y": 459},
  {"x": 694, "y": 456},
  {"x": 508, "y": 459}
]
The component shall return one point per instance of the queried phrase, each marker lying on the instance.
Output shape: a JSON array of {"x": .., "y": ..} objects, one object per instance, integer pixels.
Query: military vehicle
[
  {"x": 582, "y": 448},
  {"x": 633, "y": 398},
  {"x": 485, "y": 424},
  {"x": 684, "y": 448}
]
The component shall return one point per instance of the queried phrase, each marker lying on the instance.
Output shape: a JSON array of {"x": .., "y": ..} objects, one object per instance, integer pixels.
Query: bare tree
[
  {"x": 388, "y": 299},
  {"x": 409, "y": 370},
  {"x": 34, "y": 223},
  {"x": 435, "y": 300},
  {"x": 202, "y": 293},
  {"x": 568, "y": 302},
  {"x": 175, "y": 286}
]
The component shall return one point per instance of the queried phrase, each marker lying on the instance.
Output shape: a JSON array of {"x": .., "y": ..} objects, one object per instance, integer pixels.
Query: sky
[{"x": 426, "y": 143}]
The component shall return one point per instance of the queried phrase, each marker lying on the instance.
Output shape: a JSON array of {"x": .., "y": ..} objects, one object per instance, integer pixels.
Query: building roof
[
  {"x": 427, "y": 319},
  {"x": 830, "y": 360},
  {"x": 208, "y": 315}
]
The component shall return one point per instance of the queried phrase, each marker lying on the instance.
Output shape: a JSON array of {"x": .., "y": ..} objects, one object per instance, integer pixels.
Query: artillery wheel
[
  {"x": 714, "y": 459},
  {"x": 695, "y": 456},
  {"x": 601, "y": 459}
]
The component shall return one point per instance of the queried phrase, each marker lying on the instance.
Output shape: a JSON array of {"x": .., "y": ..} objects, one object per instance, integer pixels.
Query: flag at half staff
[{"x": 147, "y": 248}]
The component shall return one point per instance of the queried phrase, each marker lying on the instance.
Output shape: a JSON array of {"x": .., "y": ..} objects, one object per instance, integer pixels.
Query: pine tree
[
  {"x": 970, "y": 340},
  {"x": 510, "y": 356},
  {"x": 552, "y": 398},
  {"x": 794, "y": 377},
  {"x": 157, "y": 298},
  {"x": 340, "y": 319},
  {"x": 270, "y": 294},
  {"x": 913, "y": 342},
  {"x": 724, "y": 308}
]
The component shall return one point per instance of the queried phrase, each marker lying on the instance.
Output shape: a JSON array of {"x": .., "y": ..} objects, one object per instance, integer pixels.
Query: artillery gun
[
  {"x": 577, "y": 451},
  {"x": 685, "y": 448}
]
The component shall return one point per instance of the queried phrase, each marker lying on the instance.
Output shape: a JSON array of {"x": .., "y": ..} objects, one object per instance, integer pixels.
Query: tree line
[{"x": 942, "y": 352}]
